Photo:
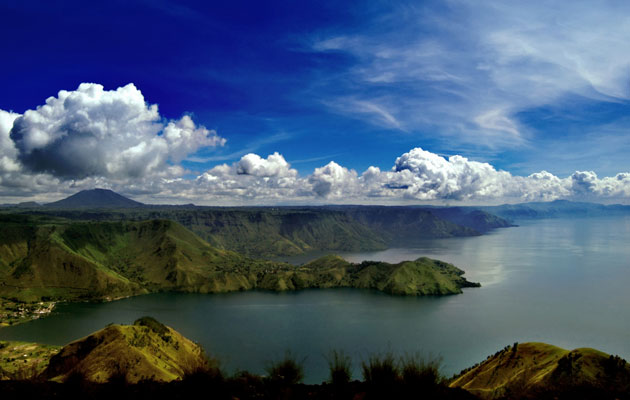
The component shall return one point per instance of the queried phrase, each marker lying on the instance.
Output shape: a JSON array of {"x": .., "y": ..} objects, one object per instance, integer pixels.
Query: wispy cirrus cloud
[
  {"x": 463, "y": 70},
  {"x": 253, "y": 146}
]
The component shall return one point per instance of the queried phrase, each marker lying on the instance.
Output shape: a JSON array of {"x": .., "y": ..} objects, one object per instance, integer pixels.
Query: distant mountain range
[
  {"x": 280, "y": 231},
  {"x": 555, "y": 209},
  {"x": 271, "y": 232},
  {"x": 479, "y": 218}
]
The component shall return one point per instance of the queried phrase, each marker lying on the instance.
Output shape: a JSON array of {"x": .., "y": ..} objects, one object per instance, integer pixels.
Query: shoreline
[{"x": 16, "y": 312}]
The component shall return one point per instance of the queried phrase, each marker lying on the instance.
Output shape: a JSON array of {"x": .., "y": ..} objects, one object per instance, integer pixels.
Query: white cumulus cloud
[
  {"x": 8, "y": 152},
  {"x": 334, "y": 181},
  {"x": 252, "y": 178},
  {"x": 273, "y": 166},
  {"x": 93, "y": 132}
]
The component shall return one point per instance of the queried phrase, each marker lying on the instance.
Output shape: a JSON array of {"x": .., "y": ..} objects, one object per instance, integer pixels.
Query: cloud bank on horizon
[
  {"x": 93, "y": 137},
  {"x": 455, "y": 101}
]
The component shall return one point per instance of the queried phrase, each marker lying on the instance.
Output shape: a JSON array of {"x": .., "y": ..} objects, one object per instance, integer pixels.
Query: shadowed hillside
[
  {"x": 269, "y": 232},
  {"x": 273, "y": 232}
]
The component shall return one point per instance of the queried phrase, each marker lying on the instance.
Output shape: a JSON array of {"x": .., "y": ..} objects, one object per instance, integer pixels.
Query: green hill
[
  {"x": 536, "y": 369},
  {"x": 61, "y": 260},
  {"x": 270, "y": 232},
  {"x": 423, "y": 276},
  {"x": 36, "y": 263},
  {"x": 273, "y": 232},
  {"x": 145, "y": 350},
  {"x": 54, "y": 259},
  {"x": 22, "y": 360},
  {"x": 255, "y": 232}
]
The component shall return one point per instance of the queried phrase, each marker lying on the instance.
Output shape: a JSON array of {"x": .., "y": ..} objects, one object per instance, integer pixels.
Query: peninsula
[{"x": 46, "y": 259}]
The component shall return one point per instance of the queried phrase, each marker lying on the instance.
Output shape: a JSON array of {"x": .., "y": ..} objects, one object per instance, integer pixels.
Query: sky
[{"x": 316, "y": 102}]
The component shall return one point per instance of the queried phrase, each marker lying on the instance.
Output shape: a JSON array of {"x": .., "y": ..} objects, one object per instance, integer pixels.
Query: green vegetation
[
  {"x": 270, "y": 232},
  {"x": 340, "y": 366},
  {"x": 380, "y": 370},
  {"x": 287, "y": 371},
  {"x": 385, "y": 370},
  {"x": 47, "y": 260},
  {"x": 21, "y": 361},
  {"x": 153, "y": 324},
  {"x": 423, "y": 276},
  {"x": 416, "y": 370},
  {"x": 255, "y": 232},
  {"x": 14, "y": 312}
]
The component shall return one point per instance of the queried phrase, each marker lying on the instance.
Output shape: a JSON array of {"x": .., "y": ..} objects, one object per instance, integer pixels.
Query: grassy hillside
[
  {"x": 37, "y": 264},
  {"x": 255, "y": 232},
  {"x": 145, "y": 350},
  {"x": 423, "y": 276},
  {"x": 52, "y": 259},
  {"x": 269, "y": 232},
  {"x": 406, "y": 225},
  {"x": 61, "y": 260},
  {"x": 534, "y": 369},
  {"x": 20, "y": 360}
]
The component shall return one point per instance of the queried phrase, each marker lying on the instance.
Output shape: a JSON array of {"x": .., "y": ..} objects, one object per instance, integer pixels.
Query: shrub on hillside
[
  {"x": 380, "y": 370},
  {"x": 287, "y": 371},
  {"x": 340, "y": 366}
]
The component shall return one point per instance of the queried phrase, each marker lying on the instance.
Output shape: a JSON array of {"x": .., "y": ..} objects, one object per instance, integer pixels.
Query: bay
[{"x": 558, "y": 281}]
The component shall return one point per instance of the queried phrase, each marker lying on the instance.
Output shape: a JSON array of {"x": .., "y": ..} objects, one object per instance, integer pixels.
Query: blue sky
[{"x": 363, "y": 102}]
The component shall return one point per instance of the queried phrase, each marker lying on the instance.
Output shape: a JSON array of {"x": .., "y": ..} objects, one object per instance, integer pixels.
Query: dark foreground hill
[{"x": 150, "y": 360}]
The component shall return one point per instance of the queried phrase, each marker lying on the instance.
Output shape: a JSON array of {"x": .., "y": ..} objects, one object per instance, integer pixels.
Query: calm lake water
[{"x": 565, "y": 282}]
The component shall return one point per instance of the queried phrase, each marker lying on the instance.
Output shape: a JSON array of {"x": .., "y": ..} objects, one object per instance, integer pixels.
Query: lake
[{"x": 558, "y": 281}]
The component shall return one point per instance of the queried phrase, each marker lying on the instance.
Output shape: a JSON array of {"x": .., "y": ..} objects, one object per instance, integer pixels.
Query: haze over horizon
[{"x": 421, "y": 102}]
